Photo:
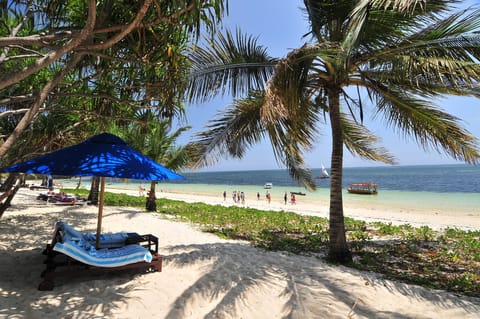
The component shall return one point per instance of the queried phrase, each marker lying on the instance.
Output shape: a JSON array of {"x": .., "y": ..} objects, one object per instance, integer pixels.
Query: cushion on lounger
[
  {"x": 115, "y": 257},
  {"x": 69, "y": 230},
  {"x": 108, "y": 240}
]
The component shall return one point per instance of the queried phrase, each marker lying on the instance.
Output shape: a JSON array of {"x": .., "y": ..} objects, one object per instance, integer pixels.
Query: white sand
[{"x": 203, "y": 276}]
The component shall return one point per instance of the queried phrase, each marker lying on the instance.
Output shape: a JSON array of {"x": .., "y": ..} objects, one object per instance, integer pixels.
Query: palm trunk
[
  {"x": 338, "y": 248},
  {"x": 94, "y": 190},
  {"x": 151, "y": 204},
  {"x": 79, "y": 183},
  {"x": 14, "y": 181}
]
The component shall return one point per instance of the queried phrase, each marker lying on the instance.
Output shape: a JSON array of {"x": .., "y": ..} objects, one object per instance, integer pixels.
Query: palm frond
[
  {"x": 327, "y": 18},
  {"x": 242, "y": 125},
  {"x": 360, "y": 141},
  {"x": 231, "y": 133},
  {"x": 387, "y": 24},
  {"x": 297, "y": 168},
  {"x": 291, "y": 74},
  {"x": 428, "y": 125},
  {"x": 288, "y": 107},
  {"x": 440, "y": 58},
  {"x": 428, "y": 77},
  {"x": 410, "y": 6},
  {"x": 230, "y": 65}
]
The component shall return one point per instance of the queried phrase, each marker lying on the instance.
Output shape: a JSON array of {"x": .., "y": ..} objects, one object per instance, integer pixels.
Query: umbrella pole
[{"x": 100, "y": 211}]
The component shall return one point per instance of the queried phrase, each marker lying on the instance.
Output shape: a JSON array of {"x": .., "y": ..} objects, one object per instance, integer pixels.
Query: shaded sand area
[{"x": 203, "y": 276}]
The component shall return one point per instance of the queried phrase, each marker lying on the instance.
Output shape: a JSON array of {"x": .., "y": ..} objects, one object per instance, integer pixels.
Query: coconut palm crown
[{"x": 397, "y": 57}]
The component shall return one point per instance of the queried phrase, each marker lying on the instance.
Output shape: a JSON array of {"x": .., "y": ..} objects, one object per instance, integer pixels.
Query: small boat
[
  {"x": 324, "y": 173},
  {"x": 268, "y": 185},
  {"x": 363, "y": 188},
  {"x": 298, "y": 193}
]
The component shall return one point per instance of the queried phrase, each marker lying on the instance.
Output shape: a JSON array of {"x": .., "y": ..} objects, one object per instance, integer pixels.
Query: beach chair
[{"x": 72, "y": 253}]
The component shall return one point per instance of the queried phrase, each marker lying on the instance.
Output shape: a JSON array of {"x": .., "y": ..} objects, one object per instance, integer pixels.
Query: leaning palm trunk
[
  {"x": 9, "y": 182},
  {"x": 13, "y": 182},
  {"x": 79, "y": 183},
  {"x": 338, "y": 249},
  {"x": 151, "y": 204},
  {"x": 94, "y": 190}
]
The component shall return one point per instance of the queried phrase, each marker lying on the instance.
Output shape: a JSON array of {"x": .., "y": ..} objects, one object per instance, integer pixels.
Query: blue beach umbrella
[{"x": 103, "y": 155}]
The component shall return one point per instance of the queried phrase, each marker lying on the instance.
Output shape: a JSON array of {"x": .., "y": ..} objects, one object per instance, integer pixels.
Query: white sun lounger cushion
[
  {"x": 108, "y": 240},
  {"x": 115, "y": 257},
  {"x": 68, "y": 231}
]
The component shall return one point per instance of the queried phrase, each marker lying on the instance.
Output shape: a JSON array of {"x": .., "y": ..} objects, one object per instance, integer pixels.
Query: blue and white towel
[
  {"x": 108, "y": 240},
  {"x": 86, "y": 253}
]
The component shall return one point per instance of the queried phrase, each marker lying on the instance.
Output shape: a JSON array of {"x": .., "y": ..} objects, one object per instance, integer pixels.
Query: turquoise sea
[{"x": 442, "y": 187}]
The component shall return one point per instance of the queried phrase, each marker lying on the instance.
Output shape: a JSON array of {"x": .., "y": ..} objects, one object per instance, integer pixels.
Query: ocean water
[
  {"x": 450, "y": 187},
  {"x": 434, "y": 178}
]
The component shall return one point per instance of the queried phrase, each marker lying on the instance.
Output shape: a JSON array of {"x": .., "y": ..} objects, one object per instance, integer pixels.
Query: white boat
[
  {"x": 324, "y": 173},
  {"x": 268, "y": 185}
]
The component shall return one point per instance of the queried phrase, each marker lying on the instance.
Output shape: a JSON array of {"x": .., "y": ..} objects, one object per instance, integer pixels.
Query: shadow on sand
[{"x": 307, "y": 286}]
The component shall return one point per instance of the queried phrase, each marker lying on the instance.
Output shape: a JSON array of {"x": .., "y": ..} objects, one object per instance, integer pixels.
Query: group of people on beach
[{"x": 239, "y": 197}]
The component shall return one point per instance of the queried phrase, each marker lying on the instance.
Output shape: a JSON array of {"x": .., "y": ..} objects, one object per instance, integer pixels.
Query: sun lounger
[
  {"x": 105, "y": 257},
  {"x": 76, "y": 253},
  {"x": 62, "y": 199}
]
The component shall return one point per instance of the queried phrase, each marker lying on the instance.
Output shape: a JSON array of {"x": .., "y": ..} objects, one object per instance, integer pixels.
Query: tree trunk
[
  {"x": 44, "y": 181},
  {"x": 94, "y": 189},
  {"x": 9, "y": 182},
  {"x": 338, "y": 248},
  {"x": 33, "y": 111},
  {"x": 13, "y": 182},
  {"x": 79, "y": 183},
  {"x": 151, "y": 204}
]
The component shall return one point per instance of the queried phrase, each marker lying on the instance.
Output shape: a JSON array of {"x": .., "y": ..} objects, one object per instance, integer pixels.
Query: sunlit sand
[{"x": 207, "y": 277}]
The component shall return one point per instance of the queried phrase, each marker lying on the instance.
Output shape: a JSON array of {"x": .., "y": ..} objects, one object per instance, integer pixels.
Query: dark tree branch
[{"x": 55, "y": 55}]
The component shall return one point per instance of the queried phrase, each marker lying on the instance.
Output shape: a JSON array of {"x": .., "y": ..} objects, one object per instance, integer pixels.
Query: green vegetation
[{"x": 448, "y": 259}]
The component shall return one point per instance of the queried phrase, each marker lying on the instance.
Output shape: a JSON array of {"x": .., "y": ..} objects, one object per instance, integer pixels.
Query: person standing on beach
[
  {"x": 258, "y": 195},
  {"x": 269, "y": 198},
  {"x": 285, "y": 197},
  {"x": 50, "y": 183},
  {"x": 224, "y": 195}
]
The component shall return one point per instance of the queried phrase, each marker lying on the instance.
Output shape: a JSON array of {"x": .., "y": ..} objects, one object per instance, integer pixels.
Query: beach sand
[{"x": 204, "y": 276}]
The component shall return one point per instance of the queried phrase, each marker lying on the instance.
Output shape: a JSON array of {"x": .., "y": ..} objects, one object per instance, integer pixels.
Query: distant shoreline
[{"x": 360, "y": 209}]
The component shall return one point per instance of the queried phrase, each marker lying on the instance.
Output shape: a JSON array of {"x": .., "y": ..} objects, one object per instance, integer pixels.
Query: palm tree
[
  {"x": 395, "y": 56},
  {"x": 151, "y": 134}
]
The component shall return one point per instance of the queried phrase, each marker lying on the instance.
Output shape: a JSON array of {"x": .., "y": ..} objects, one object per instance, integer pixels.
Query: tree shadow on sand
[
  {"x": 21, "y": 268},
  {"x": 305, "y": 284},
  {"x": 236, "y": 280}
]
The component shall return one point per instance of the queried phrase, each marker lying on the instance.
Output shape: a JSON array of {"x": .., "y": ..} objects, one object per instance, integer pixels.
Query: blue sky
[{"x": 279, "y": 26}]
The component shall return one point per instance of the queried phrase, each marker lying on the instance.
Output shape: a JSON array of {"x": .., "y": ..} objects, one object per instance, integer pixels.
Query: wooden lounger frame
[{"x": 58, "y": 264}]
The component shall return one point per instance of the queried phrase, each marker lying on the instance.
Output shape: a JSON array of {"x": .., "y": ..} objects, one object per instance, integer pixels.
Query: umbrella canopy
[{"x": 103, "y": 155}]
